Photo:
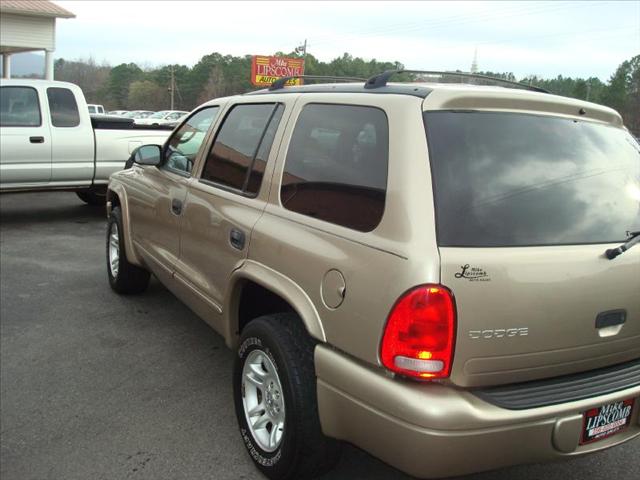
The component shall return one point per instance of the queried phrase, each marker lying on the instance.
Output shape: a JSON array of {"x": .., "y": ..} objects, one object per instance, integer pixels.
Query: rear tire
[
  {"x": 124, "y": 277},
  {"x": 274, "y": 386},
  {"x": 94, "y": 197}
]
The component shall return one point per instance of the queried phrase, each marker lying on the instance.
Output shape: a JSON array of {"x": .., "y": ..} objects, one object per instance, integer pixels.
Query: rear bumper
[{"x": 432, "y": 430}]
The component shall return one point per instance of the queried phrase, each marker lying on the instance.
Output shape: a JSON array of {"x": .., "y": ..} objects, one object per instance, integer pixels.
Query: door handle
[
  {"x": 176, "y": 206},
  {"x": 236, "y": 238},
  {"x": 36, "y": 139},
  {"x": 611, "y": 318}
]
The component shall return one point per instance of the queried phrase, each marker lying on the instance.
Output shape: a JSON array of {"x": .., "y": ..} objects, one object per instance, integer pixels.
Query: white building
[{"x": 26, "y": 26}]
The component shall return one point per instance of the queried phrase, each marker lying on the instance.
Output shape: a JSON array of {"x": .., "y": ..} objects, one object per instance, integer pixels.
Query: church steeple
[{"x": 474, "y": 64}]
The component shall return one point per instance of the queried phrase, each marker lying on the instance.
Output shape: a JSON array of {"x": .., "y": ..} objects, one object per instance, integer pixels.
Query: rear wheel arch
[{"x": 256, "y": 290}]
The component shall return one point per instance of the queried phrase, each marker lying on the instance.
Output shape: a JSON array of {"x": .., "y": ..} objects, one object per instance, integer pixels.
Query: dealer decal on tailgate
[{"x": 602, "y": 422}]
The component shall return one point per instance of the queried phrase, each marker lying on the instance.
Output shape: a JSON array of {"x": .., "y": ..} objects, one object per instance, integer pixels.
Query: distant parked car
[
  {"x": 137, "y": 114},
  {"x": 95, "y": 109},
  {"x": 176, "y": 122},
  {"x": 117, "y": 112},
  {"x": 163, "y": 117}
]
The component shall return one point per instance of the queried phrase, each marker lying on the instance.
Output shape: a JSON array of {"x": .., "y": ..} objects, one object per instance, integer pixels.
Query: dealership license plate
[{"x": 607, "y": 420}]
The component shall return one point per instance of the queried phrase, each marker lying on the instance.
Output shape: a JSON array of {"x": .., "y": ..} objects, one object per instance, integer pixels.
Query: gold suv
[{"x": 441, "y": 274}]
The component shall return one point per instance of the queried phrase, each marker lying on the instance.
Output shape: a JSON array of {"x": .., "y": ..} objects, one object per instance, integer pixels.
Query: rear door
[
  {"x": 526, "y": 206},
  {"x": 25, "y": 138},
  {"x": 227, "y": 199}
]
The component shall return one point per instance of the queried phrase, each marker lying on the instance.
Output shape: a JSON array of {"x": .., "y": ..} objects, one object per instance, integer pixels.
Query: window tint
[
  {"x": 505, "y": 179},
  {"x": 63, "y": 107},
  {"x": 239, "y": 154},
  {"x": 19, "y": 107},
  {"x": 186, "y": 141},
  {"x": 336, "y": 166}
]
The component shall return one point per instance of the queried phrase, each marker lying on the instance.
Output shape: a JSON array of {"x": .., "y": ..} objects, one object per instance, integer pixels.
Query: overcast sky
[{"x": 545, "y": 38}]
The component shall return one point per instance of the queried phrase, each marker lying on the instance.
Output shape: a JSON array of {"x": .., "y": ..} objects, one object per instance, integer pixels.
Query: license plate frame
[{"x": 606, "y": 420}]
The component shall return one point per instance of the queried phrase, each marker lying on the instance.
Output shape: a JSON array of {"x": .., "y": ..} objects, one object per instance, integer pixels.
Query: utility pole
[
  {"x": 303, "y": 48},
  {"x": 304, "y": 52},
  {"x": 172, "y": 86}
]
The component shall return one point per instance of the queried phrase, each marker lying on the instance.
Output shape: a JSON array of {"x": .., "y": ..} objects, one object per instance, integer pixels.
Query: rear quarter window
[
  {"x": 336, "y": 165},
  {"x": 63, "y": 107}
]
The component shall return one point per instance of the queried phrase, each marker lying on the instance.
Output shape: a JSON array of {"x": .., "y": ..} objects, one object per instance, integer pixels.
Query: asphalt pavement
[{"x": 98, "y": 386}]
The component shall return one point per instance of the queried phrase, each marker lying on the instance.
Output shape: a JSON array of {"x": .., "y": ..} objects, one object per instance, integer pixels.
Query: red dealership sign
[{"x": 266, "y": 70}]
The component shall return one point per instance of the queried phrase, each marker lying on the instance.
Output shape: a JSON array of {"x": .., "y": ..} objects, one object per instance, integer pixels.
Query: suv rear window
[
  {"x": 336, "y": 166},
  {"x": 506, "y": 179}
]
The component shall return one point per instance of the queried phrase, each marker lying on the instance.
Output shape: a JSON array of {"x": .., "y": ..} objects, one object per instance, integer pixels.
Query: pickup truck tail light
[{"x": 418, "y": 340}]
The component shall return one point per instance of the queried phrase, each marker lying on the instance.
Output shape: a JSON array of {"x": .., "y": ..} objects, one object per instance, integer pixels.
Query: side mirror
[{"x": 145, "y": 155}]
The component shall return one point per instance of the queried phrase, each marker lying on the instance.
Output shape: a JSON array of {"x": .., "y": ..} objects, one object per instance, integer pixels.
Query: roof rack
[
  {"x": 381, "y": 79},
  {"x": 281, "y": 82}
]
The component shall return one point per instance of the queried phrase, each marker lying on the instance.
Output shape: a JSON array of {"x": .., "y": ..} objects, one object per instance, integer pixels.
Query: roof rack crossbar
[
  {"x": 381, "y": 79},
  {"x": 281, "y": 82}
]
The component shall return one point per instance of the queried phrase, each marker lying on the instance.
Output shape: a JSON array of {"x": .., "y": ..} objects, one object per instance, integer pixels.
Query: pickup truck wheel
[
  {"x": 124, "y": 277},
  {"x": 276, "y": 402},
  {"x": 93, "y": 197}
]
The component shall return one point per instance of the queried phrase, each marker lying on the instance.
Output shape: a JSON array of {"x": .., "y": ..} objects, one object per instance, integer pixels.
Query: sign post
[{"x": 266, "y": 70}]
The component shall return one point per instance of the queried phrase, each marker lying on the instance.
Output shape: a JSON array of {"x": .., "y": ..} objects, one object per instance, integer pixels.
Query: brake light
[{"x": 419, "y": 337}]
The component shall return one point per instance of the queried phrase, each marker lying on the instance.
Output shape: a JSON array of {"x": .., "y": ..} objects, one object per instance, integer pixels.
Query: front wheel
[
  {"x": 276, "y": 402},
  {"x": 124, "y": 277}
]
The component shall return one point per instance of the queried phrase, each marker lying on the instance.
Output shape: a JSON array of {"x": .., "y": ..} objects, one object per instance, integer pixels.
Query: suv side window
[
  {"x": 182, "y": 148},
  {"x": 19, "y": 107},
  {"x": 63, "y": 107},
  {"x": 238, "y": 156},
  {"x": 336, "y": 166}
]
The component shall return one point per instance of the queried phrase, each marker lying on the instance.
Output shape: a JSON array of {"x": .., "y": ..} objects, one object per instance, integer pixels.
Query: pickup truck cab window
[
  {"x": 185, "y": 142},
  {"x": 63, "y": 107},
  {"x": 238, "y": 155},
  {"x": 336, "y": 166},
  {"x": 19, "y": 107}
]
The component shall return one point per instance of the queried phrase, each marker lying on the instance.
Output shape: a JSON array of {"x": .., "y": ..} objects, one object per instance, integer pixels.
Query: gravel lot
[{"x": 97, "y": 386}]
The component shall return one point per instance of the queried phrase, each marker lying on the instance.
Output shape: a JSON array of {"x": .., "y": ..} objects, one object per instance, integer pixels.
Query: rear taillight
[{"x": 419, "y": 337}]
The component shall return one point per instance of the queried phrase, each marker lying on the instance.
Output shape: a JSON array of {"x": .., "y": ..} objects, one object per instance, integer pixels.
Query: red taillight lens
[{"x": 419, "y": 336}]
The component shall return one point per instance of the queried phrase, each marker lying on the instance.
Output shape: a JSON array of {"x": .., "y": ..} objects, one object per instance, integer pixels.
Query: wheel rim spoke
[
  {"x": 258, "y": 370},
  {"x": 262, "y": 422},
  {"x": 257, "y": 381},
  {"x": 258, "y": 409},
  {"x": 275, "y": 434}
]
